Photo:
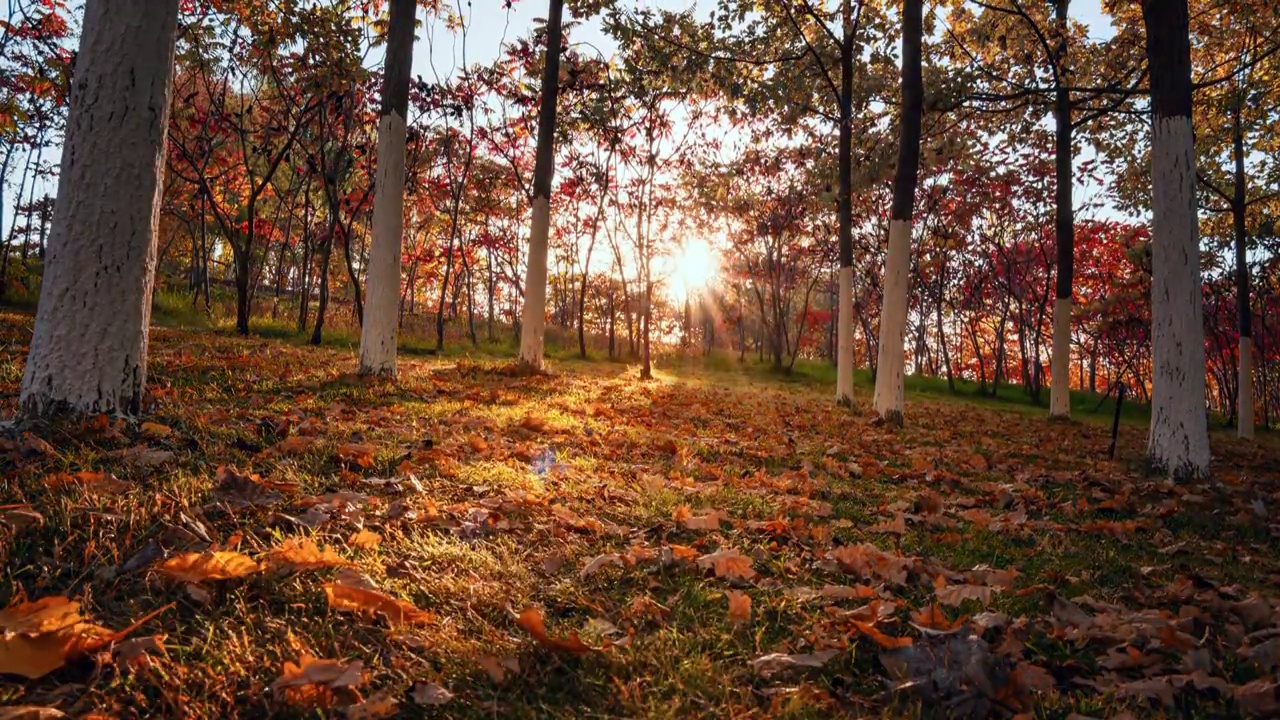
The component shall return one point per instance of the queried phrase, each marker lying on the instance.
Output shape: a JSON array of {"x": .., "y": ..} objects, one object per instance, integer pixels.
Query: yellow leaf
[{"x": 365, "y": 540}]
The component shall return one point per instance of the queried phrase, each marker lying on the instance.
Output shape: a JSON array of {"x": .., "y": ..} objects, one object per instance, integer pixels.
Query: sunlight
[{"x": 694, "y": 267}]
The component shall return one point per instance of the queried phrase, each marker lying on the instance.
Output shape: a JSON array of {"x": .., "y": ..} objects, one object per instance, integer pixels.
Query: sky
[{"x": 439, "y": 53}]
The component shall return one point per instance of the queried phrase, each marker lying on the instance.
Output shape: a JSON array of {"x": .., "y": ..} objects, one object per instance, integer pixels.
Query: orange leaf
[
  {"x": 739, "y": 606},
  {"x": 532, "y": 622},
  {"x": 297, "y": 554},
  {"x": 88, "y": 480},
  {"x": 365, "y": 540},
  {"x": 358, "y": 454},
  {"x": 730, "y": 564},
  {"x": 933, "y": 618},
  {"x": 198, "y": 567},
  {"x": 156, "y": 430},
  {"x": 314, "y": 682},
  {"x": 884, "y": 641},
  {"x": 371, "y": 602}
]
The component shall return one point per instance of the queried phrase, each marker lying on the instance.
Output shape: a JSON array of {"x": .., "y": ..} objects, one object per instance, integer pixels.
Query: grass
[{"x": 524, "y": 479}]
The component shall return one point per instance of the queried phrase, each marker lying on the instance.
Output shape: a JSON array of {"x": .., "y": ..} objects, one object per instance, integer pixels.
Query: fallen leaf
[
  {"x": 739, "y": 606},
  {"x": 298, "y": 554},
  {"x": 155, "y": 430},
  {"x": 935, "y": 619},
  {"x": 896, "y": 526},
  {"x": 364, "y": 540},
  {"x": 774, "y": 662},
  {"x": 199, "y": 567},
  {"x": 497, "y": 668},
  {"x": 89, "y": 481},
  {"x": 316, "y": 683},
  {"x": 600, "y": 561},
  {"x": 20, "y": 517},
  {"x": 955, "y": 595},
  {"x": 881, "y": 639},
  {"x": 844, "y": 592},
  {"x": 531, "y": 620},
  {"x": 430, "y": 694},
  {"x": 381, "y": 705},
  {"x": 31, "y": 712},
  {"x": 358, "y": 454},
  {"x": 350, "y": 598},
  {"x": 729, "y": 564},
  {"x": 133, "y": 654}
]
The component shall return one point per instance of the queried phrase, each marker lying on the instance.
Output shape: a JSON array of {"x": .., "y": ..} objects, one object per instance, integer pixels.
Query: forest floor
[{"x": 281, "y": 537}]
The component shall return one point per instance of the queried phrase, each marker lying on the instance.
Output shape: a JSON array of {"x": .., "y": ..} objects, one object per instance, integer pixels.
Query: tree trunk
[
  {"x": 893, "y": 318},
  {"x": 844, "y": 324},
  {"x": 89, "y": 350},
  {"x": 1179, "y": 440},
  {"x": 378, "y": 326},
  {"x": 1245, "y": 421},
  {"x": 1064, "y": 227},
  {"x": 535, "y": 287}
]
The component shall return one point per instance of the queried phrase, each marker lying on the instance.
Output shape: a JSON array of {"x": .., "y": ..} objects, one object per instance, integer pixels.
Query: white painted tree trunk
[
  {"x": 534, "y": 321},
  {"x": 1245, "y": 401},
  {"x": 888, "y": 400},
  {"x": 844, "y": 339},
  {"x": 1060, "y": 362},
  {"x": 378, "y": 333},
  {"x": 89, "y": 350},
  {"x": 1179, "y": 440}
]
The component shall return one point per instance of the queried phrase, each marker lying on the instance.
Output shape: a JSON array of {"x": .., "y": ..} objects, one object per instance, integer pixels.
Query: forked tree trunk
[
  {"x": 378, "y": 331},
  {"x": 1064, "y": 226},
  {"x": 893, "y": 317},
  {"x": 1179, "y": 440},
  {"x": 535, "y": 285},
  {"x": 89, "y": 350},
  {"x": 844, "y": 326}
]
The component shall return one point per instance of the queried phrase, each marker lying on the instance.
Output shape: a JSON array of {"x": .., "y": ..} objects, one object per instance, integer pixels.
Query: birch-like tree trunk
[
  {"x": 1179, "y": 439},
  {"x": 888, "y": 399},
  {"x": 844, "y": 321},
  {"x": 89, "y": 350},
  {"x": 378, "y": 330},
  {"x": 534, "y": 325},
  {"x": 1064, "y": 229}
]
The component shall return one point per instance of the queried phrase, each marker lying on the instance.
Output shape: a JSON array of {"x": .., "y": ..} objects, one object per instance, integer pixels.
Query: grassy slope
[{"x": 626, "y": 456}]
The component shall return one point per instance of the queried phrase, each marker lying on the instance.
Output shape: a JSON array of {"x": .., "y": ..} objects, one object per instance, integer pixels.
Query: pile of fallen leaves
[{"x": 288, "y": 538}]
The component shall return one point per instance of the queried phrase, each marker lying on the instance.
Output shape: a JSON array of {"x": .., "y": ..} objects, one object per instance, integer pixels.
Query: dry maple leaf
[
  {"x": 18, "y": 517},
  {"x": 766, "y": 665},
  {"x": 88, "y": 481},
  {"x": 314, "y": 682},
  {"x": 350, "y": 598},
  {"x": 729, "y": 564},
  {"x": 430, "y": 694},
  {"x": 298, "y": 554},
  {"x": 531, "y": 620},
  {"x": 739, "y": 606},
  {"x": 682, "y": 552},
  {"x": 133, "y": 654},
  {"x": 934, "y": 619},
  {"x": 31, "y": 712},
  {"x": 954, "y": 595},
  {"x": 155, "y": 430},
  {"x": 364, "y": 540},
  {"x": 600, "y": 561},
  {"x": 710, "y": 521},
  {"x": 896, "y": 526},
  {"x": 39, "y": 637},
  {"x": 199, "y": 567},
  {"x": 867, "y": 560},
  {"x": 844, "y": 592},
  {"x": 497, "y": 667},
  {"x": 294, "y": 445},
  {"x": 381, "y": 705},
  {"x": 885, "y": 641},
  {"x": 358, "y": 454}
]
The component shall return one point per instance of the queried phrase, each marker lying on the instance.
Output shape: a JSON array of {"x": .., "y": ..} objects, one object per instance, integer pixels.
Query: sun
[{"x": 695, "y": 266}]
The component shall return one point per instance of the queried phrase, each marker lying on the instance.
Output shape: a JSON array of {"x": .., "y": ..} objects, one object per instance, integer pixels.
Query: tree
[
  {"x": 378, "y": 331},
  {"x": 1179, "y": 440},
  {"x": 89, "y": 350},
  {"x": 535, "y": 287},
  {"x": 888, "y": 401}
]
